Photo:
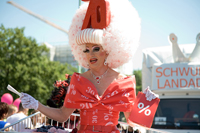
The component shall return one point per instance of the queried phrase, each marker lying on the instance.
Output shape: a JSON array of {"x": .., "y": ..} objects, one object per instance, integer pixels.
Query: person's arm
[
  {"x": 58, "y": 114},
  {"x": 127, "y": 114},
  {"x": 7, "y": 129}
]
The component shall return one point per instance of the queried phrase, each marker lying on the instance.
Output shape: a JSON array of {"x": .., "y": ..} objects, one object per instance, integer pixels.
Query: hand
[
  {"x": 28, "y": 101},
  {"x": 149, "y": 94}
]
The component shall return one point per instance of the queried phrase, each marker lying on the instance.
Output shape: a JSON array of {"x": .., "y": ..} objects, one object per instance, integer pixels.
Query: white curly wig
[{"x": 120, "y": 38}]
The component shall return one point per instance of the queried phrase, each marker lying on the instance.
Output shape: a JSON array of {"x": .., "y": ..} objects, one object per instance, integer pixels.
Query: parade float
[{"x": 173, "y": 72}]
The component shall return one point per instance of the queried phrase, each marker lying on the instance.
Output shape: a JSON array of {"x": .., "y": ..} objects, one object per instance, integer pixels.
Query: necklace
[{"x": 98, "y": 77}]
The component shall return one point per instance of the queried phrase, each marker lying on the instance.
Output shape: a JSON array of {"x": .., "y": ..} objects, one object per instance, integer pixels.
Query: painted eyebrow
[{"x": 95, "y": 47}]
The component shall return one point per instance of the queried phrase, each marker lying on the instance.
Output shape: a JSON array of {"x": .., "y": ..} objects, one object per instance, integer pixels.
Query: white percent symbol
[{"x": 147, "y": 112}]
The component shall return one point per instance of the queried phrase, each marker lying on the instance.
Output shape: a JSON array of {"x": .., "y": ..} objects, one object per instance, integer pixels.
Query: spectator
[
  {"x": 16, "y": 103},
  {"x": 73, "y": 120},
  {"x": 137, "y": 131},
  {"x": 38, "y": 120},
  {"x": 12, "y": 109},
  {"x": 130, "y": 130},
  {"x": 3, "y": 115},
  {"x": 123, "y": 130},
  {"x": 22, "y": 113},
  {"x": 119, "y": 127}
]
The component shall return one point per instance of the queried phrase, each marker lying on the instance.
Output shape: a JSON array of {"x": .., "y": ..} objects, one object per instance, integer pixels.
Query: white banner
[{"x": 176, "y": 76}]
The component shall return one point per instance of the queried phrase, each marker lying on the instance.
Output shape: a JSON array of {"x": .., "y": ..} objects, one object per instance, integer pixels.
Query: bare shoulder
[
  {"x": 121, "y": 76},
  {"x": 118, "y": 75},
  {"x": 85, "y": 74}
]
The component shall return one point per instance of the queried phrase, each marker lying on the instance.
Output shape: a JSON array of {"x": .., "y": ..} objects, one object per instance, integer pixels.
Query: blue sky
[{"x": 159, "y": 19}]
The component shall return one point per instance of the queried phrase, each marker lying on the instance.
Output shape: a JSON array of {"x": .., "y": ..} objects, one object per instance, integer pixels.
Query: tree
[
  {"x": 23, "y": 65},
  {"x": 138, "y": 77}
]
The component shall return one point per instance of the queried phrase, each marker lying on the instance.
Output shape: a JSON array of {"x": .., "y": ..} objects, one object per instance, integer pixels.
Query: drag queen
[{"x": 104, "y": 35}]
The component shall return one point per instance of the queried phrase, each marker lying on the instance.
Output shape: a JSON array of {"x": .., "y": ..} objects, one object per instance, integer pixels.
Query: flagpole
[{"x": 79, "y": 67}]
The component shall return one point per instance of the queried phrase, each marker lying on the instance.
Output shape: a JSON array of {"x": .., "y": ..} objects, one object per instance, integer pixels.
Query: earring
[{"x": 105, "y": 63}]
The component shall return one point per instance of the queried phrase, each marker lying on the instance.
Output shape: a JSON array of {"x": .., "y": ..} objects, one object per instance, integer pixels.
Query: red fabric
[
  {"x": 104, "y": 110},
  {"x": 143, "y": 111},
  {"x": 98, "y": 128}
]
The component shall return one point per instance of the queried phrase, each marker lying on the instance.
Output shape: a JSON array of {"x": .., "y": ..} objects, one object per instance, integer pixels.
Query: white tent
[{"x": 160, "y": 59}]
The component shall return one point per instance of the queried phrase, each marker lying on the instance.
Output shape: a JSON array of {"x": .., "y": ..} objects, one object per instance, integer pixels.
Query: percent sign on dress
[{"x": 143, "y": 111}]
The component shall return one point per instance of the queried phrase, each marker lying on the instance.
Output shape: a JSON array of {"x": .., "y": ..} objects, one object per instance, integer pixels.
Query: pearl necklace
[{"x": 98, "y": 77}]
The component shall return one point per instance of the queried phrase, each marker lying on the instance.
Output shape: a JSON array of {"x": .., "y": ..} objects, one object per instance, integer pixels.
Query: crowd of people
[
  {"x": 3, "y": 115},
  {"x": 10, "y": 114}
]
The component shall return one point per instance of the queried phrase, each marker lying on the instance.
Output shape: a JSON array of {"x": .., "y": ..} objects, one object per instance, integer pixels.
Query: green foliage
[
  {"x": 23, "y": 66},
  {"x": 138, "y": 77}
]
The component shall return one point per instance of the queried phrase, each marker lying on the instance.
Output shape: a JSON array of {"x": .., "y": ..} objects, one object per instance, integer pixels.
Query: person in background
[
  {"x": 137, "y": 131},
  {"x": 22, "y": 113},
  {"x": 38, "y": 120},
  {"x": 12, "y": 109},
  {"x": 130, "y": 129},
  {"x": 3, "y": 115},
  {"x": 72, "y": 122},
  {"x": 119, "y": 127}
]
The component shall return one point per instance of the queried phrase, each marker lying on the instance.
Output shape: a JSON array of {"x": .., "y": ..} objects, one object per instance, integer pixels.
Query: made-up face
[{"x": 95, "y": 55}]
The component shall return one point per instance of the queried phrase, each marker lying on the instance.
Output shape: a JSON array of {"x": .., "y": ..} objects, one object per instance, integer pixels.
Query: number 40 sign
[{"x": 143, "y": 111}]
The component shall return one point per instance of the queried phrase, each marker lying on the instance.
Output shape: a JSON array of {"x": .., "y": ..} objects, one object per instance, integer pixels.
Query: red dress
[{"x": 96, "y": 110}]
